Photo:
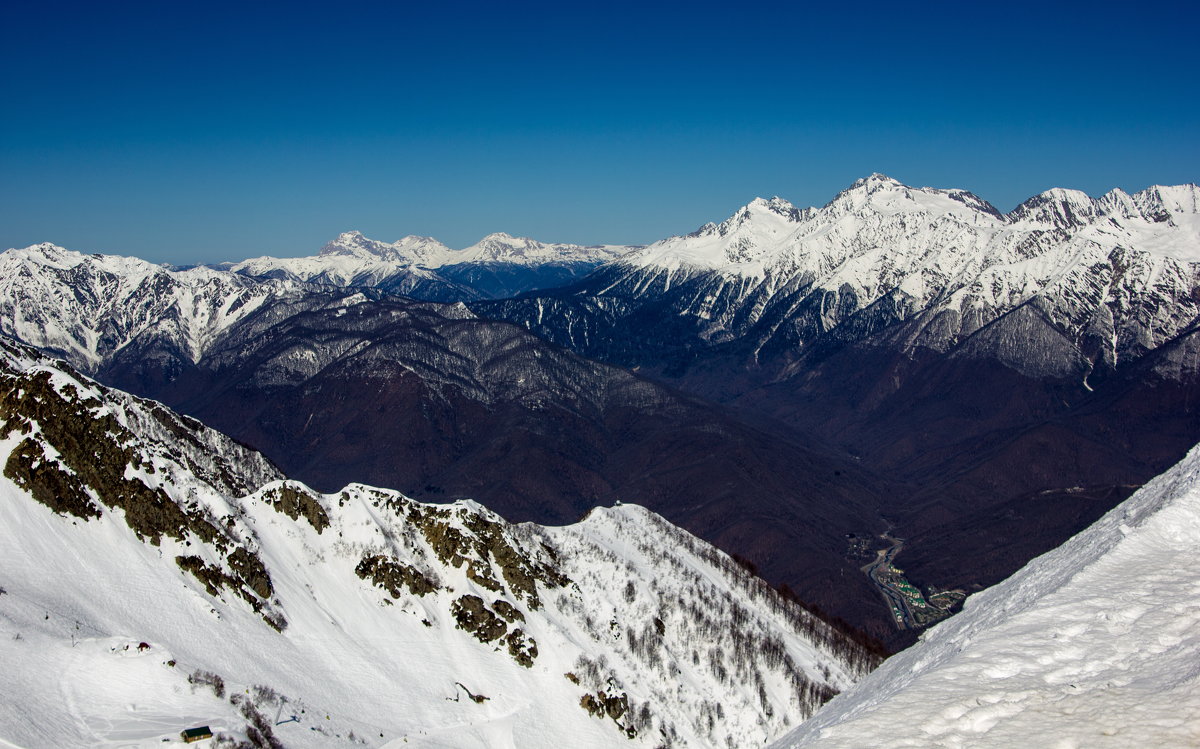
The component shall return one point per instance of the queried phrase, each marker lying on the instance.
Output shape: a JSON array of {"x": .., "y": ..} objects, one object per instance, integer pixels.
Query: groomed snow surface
[{"x": 1095, "y": 644}]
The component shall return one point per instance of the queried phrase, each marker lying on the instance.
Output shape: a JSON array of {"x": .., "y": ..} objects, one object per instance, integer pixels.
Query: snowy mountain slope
[
  {"x": 424, "y": 268},
  {"x": 372, "y": 619},
  {"x": 1093, "y": 644},
  {"x": 90, "y": 308}
]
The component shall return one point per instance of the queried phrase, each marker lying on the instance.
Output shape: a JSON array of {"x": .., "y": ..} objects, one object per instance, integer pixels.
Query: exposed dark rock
[
  {"x": 473, "y": 616},
  {"x": 252, "y": 571},
  {"x": 296, "y": 504},
  {"x": 508, "y": 611},
  {"x": 522, "y": 647},
  {"x": 47, "y": 482},
  {"x": 393, "y": 576}
]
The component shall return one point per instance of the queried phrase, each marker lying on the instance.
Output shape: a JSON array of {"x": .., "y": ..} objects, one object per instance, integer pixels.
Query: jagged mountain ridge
[
  {"x": 1092, "y": 644},
  {"x": 1118, "y": 274},
  {"x": 92, "y": 309},
  {"x": 497, "y": 266},
  {"x": 337, "y": 608}
]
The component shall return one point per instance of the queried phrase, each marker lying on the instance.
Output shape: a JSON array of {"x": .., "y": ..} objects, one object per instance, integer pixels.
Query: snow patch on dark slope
[
  {"x": 1092, "y": 644},
  {"x": 140, "y": 596}
]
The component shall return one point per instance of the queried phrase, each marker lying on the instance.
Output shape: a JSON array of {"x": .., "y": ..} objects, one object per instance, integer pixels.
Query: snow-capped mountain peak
[
  {"x": 409, "y": 250},
  {"x": 1173, "y": 199},
  {"x": 1058, "y": 207},
  {"x": 776, "y": 205},
  {"x": 501, "y": 247},
  {"x": 876, "y": 181},
  {"x": 354, "y": 244}
]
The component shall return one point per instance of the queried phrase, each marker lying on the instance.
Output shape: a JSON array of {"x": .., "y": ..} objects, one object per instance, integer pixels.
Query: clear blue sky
[{"x": 202, "y": 131}]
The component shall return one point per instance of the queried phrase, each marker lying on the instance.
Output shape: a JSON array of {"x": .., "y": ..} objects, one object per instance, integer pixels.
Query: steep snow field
[
  {"x": 371, "y": 619},
  {"x": 1095, "y": 644}
]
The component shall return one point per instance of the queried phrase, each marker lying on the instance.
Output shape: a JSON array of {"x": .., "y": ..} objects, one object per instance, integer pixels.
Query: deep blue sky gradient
[{"x": 196, "y": 132}]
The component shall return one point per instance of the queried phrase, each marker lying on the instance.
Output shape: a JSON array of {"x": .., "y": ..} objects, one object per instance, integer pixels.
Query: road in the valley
[{"x": 896, "y": 599}]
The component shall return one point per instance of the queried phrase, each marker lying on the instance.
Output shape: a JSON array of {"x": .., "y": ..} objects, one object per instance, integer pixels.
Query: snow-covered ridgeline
[
  {"x": 1123, "y": 268},
  {"x": 1093, "y": 644},
  {"x": 89, "y": 307},
  {"x": 927, "y": 226},
  {"x": 372, "y": 618},
  {"x": 427, "y": 252},
  {"x": 355, "y": 260}
]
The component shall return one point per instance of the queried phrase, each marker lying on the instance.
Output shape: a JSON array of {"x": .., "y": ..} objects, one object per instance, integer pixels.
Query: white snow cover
[
  {"x": 704, "y": 654},
  {"x": 1129, "y": 261},
  {"x": 879, "y": 216},
  {"x": 353, "y": 259},
  {"x": 1095, "y": 644}
]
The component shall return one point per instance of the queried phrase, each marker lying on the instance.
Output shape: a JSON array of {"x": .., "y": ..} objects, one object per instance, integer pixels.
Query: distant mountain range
[{"x": 497, "y": 266}]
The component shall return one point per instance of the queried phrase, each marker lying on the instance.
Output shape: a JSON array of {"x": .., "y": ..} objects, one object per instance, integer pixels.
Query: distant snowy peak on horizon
[
  {"x": 500, "y": 247},
  {"x": 427, "y": 252},
  {"x": 409, "y": 250},
  {"x": 1094, "y": 644}
]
